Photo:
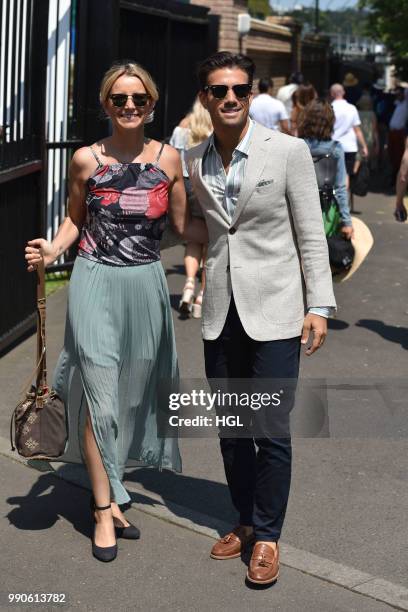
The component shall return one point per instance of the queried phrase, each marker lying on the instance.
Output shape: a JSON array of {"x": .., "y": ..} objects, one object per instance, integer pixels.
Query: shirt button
[{"x": 232, "y": 230}]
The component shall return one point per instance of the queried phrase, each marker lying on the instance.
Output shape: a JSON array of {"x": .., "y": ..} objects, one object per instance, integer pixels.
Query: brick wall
[
  {"x": 228, "y": 11},
  {"x": 271, "y": 45},
  {"x": 275, "y": 44}
]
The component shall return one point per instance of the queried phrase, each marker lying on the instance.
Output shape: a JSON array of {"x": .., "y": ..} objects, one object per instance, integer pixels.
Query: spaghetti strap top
[
  {"x": 127, "y": 205},
  {"x": 98, "y": 161},
  {"x": 159, "y": 153},
  {"x": 94, "y": 153}
]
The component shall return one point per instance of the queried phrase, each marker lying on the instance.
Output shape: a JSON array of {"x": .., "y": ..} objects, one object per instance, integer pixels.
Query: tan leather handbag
[{"x": 40, "y": 420}]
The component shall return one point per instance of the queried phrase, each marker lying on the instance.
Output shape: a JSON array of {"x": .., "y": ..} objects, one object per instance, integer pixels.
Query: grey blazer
[{"x": 272, "y": 255}]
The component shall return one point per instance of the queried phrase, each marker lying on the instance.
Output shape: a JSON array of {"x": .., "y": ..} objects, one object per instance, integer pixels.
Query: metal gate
[
  {"x": 53, "y": 54},
  {"x": 23, "y": 56}
]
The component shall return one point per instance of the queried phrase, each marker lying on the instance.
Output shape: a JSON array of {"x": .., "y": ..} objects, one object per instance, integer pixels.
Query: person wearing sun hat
[
  {"x": 362, "y": 241},
  {"x": 352, "y": 88}
]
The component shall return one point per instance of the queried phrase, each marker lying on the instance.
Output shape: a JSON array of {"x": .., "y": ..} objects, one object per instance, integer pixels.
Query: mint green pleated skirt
[{"x": 119, "y": 346}]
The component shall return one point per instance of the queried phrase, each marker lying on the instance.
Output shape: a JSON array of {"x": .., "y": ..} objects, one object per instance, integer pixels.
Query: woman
[
  {"x": 301, "y": 98},
  {"x": 369, "y": 127},
  {"x": 119, "y": 338},
  {"x": 192, "y": 130},
  {"x": 316, "y": 128}
]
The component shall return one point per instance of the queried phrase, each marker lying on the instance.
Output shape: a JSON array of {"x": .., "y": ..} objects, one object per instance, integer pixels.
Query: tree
[
  {"x": 259, "y": 8},
  {"x": 389, "y": 21}
]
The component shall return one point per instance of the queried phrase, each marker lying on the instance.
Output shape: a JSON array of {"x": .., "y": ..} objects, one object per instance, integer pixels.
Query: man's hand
[{"x": 318, "y": 326}]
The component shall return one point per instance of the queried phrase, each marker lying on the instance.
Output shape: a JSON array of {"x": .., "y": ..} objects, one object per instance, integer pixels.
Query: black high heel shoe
[
  {"x": 102, "y": 553},
  {"x": 131, "y": 532}
]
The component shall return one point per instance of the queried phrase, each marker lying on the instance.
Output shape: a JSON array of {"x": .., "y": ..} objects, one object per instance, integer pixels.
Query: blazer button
[
  {"x": 228, "y": 268},
  {"x": 232, "y": 230}
]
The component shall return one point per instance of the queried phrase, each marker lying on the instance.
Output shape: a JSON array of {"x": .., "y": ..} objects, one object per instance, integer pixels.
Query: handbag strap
[
  {"x": 40, "y": 370},
  {"x": 41, "y": 381}
]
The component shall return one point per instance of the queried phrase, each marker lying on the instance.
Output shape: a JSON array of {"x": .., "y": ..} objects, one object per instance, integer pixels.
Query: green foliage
[
  {"x": 259, "y": 8},
  {"x": 55, "y": 281},
  {"x": 388, "y": 20},
  {"x": 348, "y": 21}
]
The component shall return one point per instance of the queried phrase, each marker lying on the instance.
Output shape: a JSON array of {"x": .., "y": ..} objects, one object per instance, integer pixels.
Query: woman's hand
[
  {"x": 38, "y": 250},
  {"x": 347, "y": 231}
]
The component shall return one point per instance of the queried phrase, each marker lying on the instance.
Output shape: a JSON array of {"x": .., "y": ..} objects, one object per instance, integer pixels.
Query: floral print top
[{"x": 127, "y": 206}]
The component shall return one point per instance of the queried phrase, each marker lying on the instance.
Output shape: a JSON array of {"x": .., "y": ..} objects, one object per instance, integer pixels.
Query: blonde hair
[
  {"x": 130, "y": 69},
  {"x": 199, "y": 122}
]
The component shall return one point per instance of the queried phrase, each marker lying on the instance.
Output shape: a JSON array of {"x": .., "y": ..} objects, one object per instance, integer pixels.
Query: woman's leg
[
  {"x": 192, "y": 258},
  {"x": 197, "y": 306},
  {"x": 104, "y": 529}
]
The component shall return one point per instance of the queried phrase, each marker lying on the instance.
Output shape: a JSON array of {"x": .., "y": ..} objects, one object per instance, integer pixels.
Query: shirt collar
[{"x": 242, "y": 146}]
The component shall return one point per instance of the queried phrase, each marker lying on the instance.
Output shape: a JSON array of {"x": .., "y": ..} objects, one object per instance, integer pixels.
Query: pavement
[{"x": 344, "y": 542}]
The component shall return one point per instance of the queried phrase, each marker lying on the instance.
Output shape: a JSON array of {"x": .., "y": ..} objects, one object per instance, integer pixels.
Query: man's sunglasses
[
  {"x": 220, "y": 91},
  {"x": 121, "y": 99}
]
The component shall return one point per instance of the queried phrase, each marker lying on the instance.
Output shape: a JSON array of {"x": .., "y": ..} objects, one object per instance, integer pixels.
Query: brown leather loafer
[
  {"x": 264, "y": 564},
  {"x": 231, "y": 545}
]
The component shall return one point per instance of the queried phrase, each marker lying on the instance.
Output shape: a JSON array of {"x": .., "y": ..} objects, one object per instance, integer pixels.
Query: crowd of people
[{"x": 370, "y": 123}]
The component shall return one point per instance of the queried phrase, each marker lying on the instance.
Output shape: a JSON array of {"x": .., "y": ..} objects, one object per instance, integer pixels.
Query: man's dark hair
[
  {"x": 264, "y": 84},
  {"x": 296, "y": 78},
  {"x": 225, "y": 59}
]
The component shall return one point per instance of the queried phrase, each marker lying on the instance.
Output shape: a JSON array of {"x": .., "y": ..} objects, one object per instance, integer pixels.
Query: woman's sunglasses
[
  {"x": 139, "y": 100},
  {"x": 220, "y": 91}
]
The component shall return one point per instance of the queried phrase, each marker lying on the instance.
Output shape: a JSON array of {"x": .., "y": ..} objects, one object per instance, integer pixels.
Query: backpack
[{"x": 326, "y": 169}]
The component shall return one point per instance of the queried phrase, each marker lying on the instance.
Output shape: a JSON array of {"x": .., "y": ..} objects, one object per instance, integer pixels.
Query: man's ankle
[
  {"x": 247, "y": 529},
  {"x": 272, "y": 545}
]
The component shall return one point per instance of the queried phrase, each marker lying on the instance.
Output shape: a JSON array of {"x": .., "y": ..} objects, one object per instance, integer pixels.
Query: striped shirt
[{"x": 226, "y": 187}]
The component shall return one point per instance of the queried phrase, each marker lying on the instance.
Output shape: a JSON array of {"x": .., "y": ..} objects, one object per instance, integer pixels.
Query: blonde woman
[
  {"x": 192, "y": 130},
  {"x": 119, "y": 338}
]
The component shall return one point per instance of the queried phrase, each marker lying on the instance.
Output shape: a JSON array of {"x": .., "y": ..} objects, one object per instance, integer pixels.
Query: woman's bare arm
[
  {"x": 192, "y": 229},
  {"x": 81, "y": 167}
]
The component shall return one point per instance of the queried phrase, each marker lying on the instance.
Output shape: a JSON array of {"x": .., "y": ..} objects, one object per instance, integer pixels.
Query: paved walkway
[{"x": 346, "y": 520}]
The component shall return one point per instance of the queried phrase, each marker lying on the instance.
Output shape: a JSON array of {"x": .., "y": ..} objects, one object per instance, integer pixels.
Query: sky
[{"x": 324, "y": 4}]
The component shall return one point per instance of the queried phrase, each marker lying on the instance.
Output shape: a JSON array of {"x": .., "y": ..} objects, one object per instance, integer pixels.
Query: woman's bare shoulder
[
  {"x": 185, "y": 122},
  {"x": 83, "y": 162}
]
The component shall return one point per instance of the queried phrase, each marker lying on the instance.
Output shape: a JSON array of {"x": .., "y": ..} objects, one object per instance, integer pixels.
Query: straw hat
[
  {"x": 350, "y": 80},
  {"x": 362, "y": 242}
]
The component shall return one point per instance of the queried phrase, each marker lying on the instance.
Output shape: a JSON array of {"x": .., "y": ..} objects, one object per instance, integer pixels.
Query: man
[
  {"x": 347, "y": 131},
  {"x": 258, "y": 193},
  {"x": 285, "y": 93},
  {"x": 267, "y": 110},
  {"x": 397, "y": 133}
]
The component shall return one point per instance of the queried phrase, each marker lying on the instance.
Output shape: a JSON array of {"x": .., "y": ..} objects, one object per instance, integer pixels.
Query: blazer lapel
[{"x": 253, "y": 171}]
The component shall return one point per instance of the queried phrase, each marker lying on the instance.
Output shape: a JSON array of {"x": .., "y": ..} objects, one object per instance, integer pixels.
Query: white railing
[{"x": 57, "y": 99}]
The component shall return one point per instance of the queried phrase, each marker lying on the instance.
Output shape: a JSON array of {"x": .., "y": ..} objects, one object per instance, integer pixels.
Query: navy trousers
[{"x": 258, "y": 478}]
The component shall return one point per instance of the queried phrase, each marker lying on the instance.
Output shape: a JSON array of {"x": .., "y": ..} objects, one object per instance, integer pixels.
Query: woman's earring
[{"x": 149, "y": 117}]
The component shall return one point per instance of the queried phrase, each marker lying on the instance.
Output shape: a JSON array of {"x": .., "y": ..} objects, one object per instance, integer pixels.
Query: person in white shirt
[
  {"x": 347, "y": 130},
  {"x": 285, "y": 93},
  {"x": 267, "y": 110},
  {"x": 397, "y": 133}
]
